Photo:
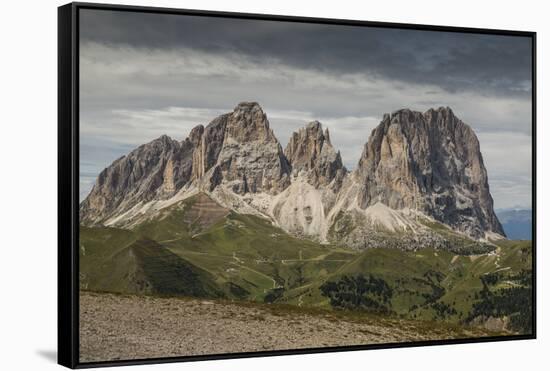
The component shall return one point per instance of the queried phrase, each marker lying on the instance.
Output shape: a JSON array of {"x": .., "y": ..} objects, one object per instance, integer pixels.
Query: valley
[
  {"x": 232, "y": 256},
  {"x": 225, "y": 242}
]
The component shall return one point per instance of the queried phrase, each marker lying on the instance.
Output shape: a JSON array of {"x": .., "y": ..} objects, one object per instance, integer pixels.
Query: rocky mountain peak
[
  {"x": 432, "y": 163},
  {"x": 428, "y": 163},
  {"x": 164, "y": 139},
  {"x": 247, "y": 107},
  {"x": 404, "y": 116},
  {"x": 152, "y": 170},
  {"x": 250, "y": 158},
  {"x": 195, "y": 135},
  {"x": 247, "y": 123},
  {"x": 309, "y": 150},
  {"x": 444, "y": 111},
  {"x": 315, "y": 126},
  {"x": 207, "y": 144},
  {"x": 327, "y": 136}
]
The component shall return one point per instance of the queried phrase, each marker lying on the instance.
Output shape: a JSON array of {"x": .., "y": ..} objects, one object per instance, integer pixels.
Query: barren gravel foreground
[{"x": 116, "y": 327}]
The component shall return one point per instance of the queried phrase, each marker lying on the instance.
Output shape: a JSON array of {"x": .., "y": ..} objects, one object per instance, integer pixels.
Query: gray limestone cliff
[
  {"x": 413, "y": 163},
  {"x": 311, "y": 152},
  {"x": 251, "y": 159},
  {"x": 430, "y": 162},
  {"x": 155, "y": 170},
  {"x": 237, "y": 149}
]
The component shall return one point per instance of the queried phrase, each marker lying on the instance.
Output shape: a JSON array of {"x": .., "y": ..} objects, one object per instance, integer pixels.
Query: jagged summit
[
  {"x": 414, "y": 163},
  {"x": 310, "y": 151},
  {"x": 442, "y": 109},
  {"x": 251, "y": 159},
  {"x": 248, "y": 122},
  {"x": 314, "y": 125},
  {"x": 151, "y": 171},
  {"x": 247, "y": 106},
  {"x": 430, "y": 162}
]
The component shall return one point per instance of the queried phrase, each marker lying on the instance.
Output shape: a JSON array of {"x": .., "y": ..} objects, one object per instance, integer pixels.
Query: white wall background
[{"x": 28, "y": 166}]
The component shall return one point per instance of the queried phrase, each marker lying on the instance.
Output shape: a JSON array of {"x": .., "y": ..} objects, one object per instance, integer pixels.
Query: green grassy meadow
[{"x": 185, "y": 252}]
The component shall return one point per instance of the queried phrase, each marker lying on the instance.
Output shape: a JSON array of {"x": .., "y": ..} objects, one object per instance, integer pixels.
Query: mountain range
[
  {"x": 227, "y": 213},
  {"x": 417, "y": 170}
]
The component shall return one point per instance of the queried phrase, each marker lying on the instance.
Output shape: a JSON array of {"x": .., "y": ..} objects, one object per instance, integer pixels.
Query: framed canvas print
[{"x": 236, "y": 185}]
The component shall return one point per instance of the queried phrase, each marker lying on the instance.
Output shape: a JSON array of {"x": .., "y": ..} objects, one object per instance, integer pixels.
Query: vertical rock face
[
  {"x": 310, "y": 151},
  {"x": 316, "y": 178},
  {"x": 432, "y": 163},
  {"x": 153, "y": 170},
  {"x": 237, "y": 149},
  {"x": 207, "y": 144},
  {"x": 428, "y": 163},
  {"x": 251, "y": 159},
  {"x": 248, "y": 123}
]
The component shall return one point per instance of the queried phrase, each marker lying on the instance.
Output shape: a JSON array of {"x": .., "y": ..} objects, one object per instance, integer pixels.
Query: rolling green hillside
[
  {"x": 428, "y": 284},
  {"x": 146, "y": 267},
  {"x": 197, "y": 248}
]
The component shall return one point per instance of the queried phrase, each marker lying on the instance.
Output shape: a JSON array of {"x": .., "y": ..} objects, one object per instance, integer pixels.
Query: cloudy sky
[{"x": 144, "y": 75}]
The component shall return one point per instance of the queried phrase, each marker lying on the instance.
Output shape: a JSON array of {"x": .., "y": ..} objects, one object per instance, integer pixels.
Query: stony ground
[{"x": 116, "y": 327}]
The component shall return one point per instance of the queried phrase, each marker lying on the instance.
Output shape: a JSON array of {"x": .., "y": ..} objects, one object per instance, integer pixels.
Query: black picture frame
[{"x": 68, "y": 181}]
